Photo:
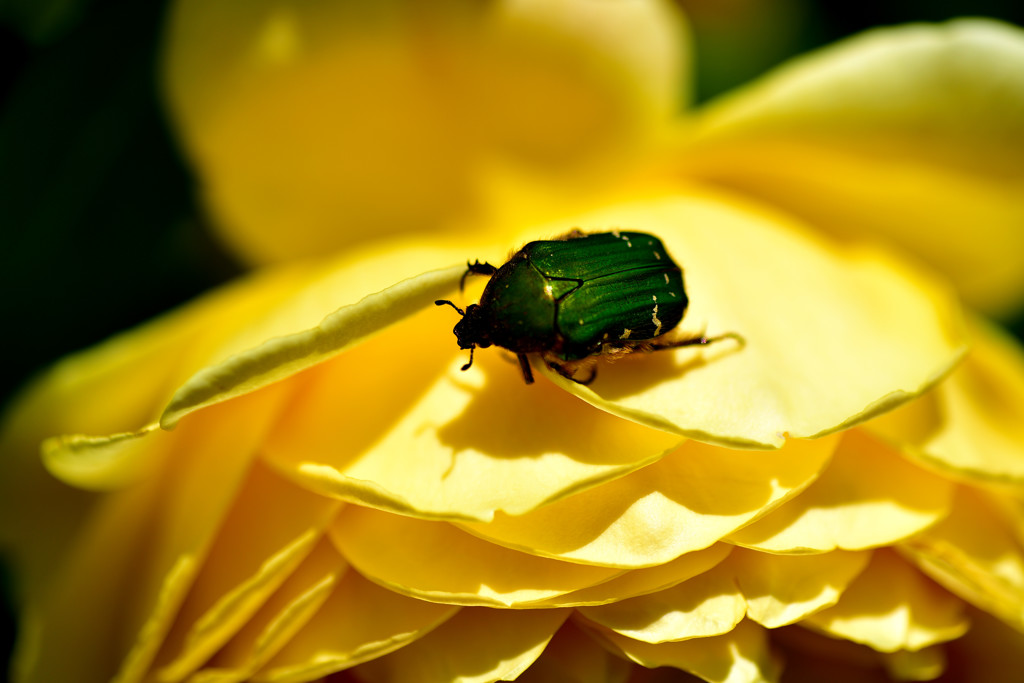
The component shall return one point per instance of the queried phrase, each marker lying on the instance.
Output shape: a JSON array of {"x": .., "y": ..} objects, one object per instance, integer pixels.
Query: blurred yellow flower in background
[{"x": 290, "y": 478}]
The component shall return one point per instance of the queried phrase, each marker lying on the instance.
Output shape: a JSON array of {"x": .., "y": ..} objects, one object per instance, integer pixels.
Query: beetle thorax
[{"x": 474, "y": 329}]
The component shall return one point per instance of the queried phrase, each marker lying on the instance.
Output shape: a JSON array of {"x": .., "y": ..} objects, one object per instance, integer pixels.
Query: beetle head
[{"x": 472, "y": 331}]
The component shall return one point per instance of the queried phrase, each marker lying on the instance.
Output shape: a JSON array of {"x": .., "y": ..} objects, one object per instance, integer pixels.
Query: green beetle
[{"x": 574, "y": 299}]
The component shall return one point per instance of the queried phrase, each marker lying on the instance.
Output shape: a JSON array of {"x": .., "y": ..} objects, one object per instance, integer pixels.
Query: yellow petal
[
  {"x": 436, "y": 561},
  {"x": 140, "y": 546},
  {"x": 977, "y": 554},
  {"x": 831, "y": 337},
  {"x": 684, "y": 502},
  {"x": 477, "y": 645},
  {"x": 782, "y": 589},
  {"x": 972, "y": 424},
  {"x": 251, "y": 557},
  {"x": 278, "y": 620},
  {"x": 105, "y": 462},
  {"x": 282, "y": 357},
  {"x": 395, "y": 425},
  {"x": 357, "y": 623},
  {"x": 740, "y": 656},
  {"x": 910, "y": 134},
  {"x": 134, "y": 374},
  {"x": 573, "y": 657},
  {"x": 869, "y": 496},
  {"x": 290, "y": 318},
  {"x": 643, "y": 581},
  {"x": 892, "y": 607},
  {"x": 304, "y": 119},
  {"x": 709, "y": 604}
]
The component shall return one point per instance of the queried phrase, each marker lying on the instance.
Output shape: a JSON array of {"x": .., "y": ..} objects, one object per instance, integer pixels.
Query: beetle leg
[
  {"x": 571, "y": 373},
  {"x": 476, "y": 269},
  {"x": 468, "y": 365},
  {"x": 524, "y": 365},
  {"x": 695, "y": 341}
]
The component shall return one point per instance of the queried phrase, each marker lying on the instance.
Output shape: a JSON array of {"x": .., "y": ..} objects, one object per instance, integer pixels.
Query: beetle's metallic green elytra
[{"x": 576, "y": 298}]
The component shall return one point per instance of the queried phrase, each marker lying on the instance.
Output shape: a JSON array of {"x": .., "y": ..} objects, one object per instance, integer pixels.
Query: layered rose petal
[
  {"x": 358, "y": 622},
  {"x": 890, "y": 606},
  {"x": 278, "y": 619},
  {"x": 643, "y": 581},
  {"x": 468, "y": 571},
  {"x": 909, "y": 134},
  {"x": 972, "y": 425},
  {"x": 351, "y": 435},
  {"x": 252, "y": 556},
  {"x": 977, "y": 553},
  {"x": 477, "y": 645},
  {"x": 853, "y": 505},
  {"x": 781, "y": 589},
  {"x": 742, "y": 654},
  {"x": 686, "y": 501},
  {"x": 709, "y": 604},
  {"x": 143, "y": 545}
]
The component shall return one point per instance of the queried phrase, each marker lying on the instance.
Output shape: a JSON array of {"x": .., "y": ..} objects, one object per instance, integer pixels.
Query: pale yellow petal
[
  {"x": 971, "y": 426},
  {"x": 574, "y": 657},
  {"x": 116, "y": 387},
  {"x": 740, "y": 656},
  {"x": 709, "y": 604},
  {"x": 99, "y": 463},
  {"x": 891, "y": 606},
  {"x": 976, "y": 552},
  {"x": 282, "y": 357},
  {"x": 302, "y": 120},
  {"x": 781, "y": 589},
  {"x": 830, "y": 337},
  {"x": 477, "y": 645},
  {"x": 643, "y": 581},
  {"x": 684, "y": 502},
  {"x": 357, "y": 623},
  {"x": 278, "y": 619},
  {"x": 910, "y": 134},
  {"x": 251, "y": 557},
  {"x": 868, "y": 496},
  {"x": 448, "y": 444},
  {"x": 140, "y": 547},
  {"x": 436, "y": 561}
]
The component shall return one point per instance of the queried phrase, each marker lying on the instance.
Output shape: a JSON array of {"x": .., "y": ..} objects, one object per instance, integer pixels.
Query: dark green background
[{"x": 100, "y": 227}]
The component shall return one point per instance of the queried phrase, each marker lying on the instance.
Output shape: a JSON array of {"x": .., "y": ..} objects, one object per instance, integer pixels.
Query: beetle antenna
[
  {"x": 442, "y": 302},
  {"x": 467, "y": 365}
]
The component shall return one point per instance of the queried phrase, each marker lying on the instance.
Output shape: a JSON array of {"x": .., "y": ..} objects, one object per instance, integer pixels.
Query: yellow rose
[{"x": 291, "y": 477}]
